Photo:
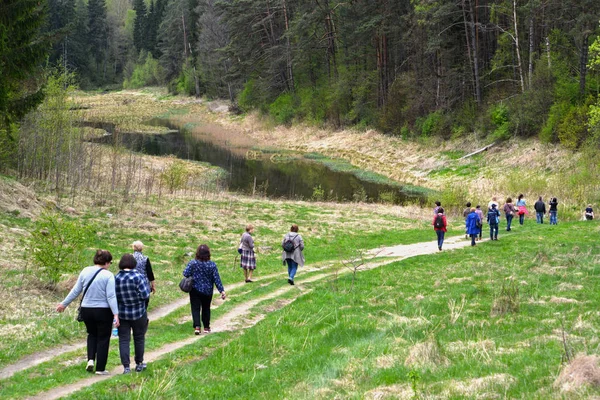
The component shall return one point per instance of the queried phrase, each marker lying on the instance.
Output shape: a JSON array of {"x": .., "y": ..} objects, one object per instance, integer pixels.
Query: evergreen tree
[
  {"x": 140, "y": 26},
  {"x": 98, "y": 37},
  {"x": 22, "y": 51}
]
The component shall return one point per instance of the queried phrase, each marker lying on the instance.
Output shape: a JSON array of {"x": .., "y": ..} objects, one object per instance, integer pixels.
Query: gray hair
[{"x": 138, "y": 245}]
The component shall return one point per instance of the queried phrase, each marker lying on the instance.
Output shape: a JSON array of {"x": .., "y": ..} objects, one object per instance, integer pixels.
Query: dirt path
[{"x": 234, "y": 319}]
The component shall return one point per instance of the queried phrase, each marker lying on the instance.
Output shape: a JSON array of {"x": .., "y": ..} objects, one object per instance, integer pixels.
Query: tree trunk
[
  {"x": 531, "y": 49},
  {"x": 518, "y": 48},
  {"x": 583, "y": 59},
  {"x": 288, "y": 49},
  {"x": 475, "y": 55}
]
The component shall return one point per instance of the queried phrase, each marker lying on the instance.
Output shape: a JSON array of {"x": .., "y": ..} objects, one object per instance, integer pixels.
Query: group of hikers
[
  {"x": 118, "y": 304},
  {"x": 474, "y": 217}
]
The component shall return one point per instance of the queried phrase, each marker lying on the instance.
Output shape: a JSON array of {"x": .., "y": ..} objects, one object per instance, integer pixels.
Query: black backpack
[
  {"x": 288, "y": 245},
  {"x": 439, "y": 222}
]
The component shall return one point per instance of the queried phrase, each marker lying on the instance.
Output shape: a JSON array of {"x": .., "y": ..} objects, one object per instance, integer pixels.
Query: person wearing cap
[{"x": 493, "y": 218}]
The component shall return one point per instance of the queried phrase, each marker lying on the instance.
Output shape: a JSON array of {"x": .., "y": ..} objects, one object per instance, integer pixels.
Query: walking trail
[{"x": 231, "y": 321}]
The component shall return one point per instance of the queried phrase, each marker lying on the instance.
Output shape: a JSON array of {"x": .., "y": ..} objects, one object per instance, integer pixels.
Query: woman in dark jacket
[
  {"x": 473, "y": 225},
  {"x": 206, "y": 276},
  {"x": 439, "y": 226}
]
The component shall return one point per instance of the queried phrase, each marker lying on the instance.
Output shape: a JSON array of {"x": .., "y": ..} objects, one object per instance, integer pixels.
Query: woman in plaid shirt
[{"x": 132, "y": 293}]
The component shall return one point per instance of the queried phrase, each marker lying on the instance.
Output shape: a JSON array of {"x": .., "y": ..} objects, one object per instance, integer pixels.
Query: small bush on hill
[
  {"x": 57, "y": 244},
  {"x": 282, "y": 110},
  {"x": 147, "y": 72}
]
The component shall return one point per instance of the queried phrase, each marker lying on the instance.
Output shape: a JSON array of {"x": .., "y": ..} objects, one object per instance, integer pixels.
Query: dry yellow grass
[{"x": 583, "y": 370}]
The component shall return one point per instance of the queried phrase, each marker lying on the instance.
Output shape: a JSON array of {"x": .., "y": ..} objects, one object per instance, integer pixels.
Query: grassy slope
[{"x": 336, "y": 342}]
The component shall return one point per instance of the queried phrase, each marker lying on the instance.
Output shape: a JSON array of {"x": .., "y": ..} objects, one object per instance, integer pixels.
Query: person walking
[
  {"x": 132, "y": 291},
  {"x": 206, "y": 276},
  {"x": 553, "y": 211},
  {"x": 480, "y": 215},
  {"x": 438, "y": 205},
  {"x": 99, "y": 308},
  {"x": 293, "y": 246},
  {"x": 466, "y": 212},
  {"x": 509, "y": 212},
  {"x": 439, "y": 226},
  {"x": 493, "y": 218},
  {"x": 493, "y": 201},
  {"x": 540, "y": 210},
  {"x": 143, "y": 266},
  {"x": 473, "y": 225},
  {"x": 522, "y": 209},
  {"x": 247, "y": 256}
]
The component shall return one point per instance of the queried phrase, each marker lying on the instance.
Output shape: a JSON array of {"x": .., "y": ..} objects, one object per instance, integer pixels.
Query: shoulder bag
[
  {"x": 187, "y": 283},
  {"x": 79, "y": 317}
]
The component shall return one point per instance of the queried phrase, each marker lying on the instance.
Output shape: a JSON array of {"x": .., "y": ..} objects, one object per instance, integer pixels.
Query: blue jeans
[
  {"x": 540, "y": 217},
  {"x": 493, "y": 231},
  {"x": 553, "y": 219},
  {"x": 440, "y": 237},
  {"x": 292, "y": 267},
  {"x": 508, "y": 221},
  {"x": 521, "y": 219}
]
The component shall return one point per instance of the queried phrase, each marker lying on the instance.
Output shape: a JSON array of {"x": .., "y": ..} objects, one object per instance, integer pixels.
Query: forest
[{"x": 445, "y": 68}]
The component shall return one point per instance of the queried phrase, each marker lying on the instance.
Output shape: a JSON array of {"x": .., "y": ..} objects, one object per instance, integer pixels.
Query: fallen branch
[{"x": 478, "y": 151}]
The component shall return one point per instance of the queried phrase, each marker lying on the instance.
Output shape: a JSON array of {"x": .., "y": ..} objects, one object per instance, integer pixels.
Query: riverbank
[{"x": 516, "y": 166}]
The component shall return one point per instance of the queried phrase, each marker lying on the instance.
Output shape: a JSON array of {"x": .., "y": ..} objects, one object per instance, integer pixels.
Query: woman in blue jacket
[{"x": 473, "y": 225}]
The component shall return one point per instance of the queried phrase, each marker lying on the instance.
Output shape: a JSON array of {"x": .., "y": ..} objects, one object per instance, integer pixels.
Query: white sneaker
[
  {"x": 102, "y": 373},
  {"x": 90, "y": 366}
]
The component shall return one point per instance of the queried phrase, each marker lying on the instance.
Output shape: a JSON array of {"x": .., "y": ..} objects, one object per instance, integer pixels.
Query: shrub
[
  {"x": 572, "y": 130},
  {"x": 282, "y": 110},
  {"x": 499, "y": 117},
  {"x": 57, "y": 244},
  {"x": 175, "y": 176},
  {"x": 431, "y": 124},
  {"x": 147, "y": 72},
  {"x": 251, "y": 96},
  {"x": 318, "y": 193}
]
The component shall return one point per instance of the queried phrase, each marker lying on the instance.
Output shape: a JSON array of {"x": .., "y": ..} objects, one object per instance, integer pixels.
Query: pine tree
[
  {"x": 98, "y": 36},
  {"x": 140, "y": 26},
  {"x": 22, "y": 50}
]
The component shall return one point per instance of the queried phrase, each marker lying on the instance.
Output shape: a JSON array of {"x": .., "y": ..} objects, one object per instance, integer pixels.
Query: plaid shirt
[{"x": 132, "y": 292}]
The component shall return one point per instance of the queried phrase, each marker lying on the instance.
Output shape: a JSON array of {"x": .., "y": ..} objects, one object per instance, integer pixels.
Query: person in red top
[{"x": 439, "y": 226}]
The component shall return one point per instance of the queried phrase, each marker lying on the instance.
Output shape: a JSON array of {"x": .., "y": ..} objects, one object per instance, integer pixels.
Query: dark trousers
[
  {"x": 493, "y": 231},
  {"x": 473, "y": 238},
  {"x": 521, "y": 218},
  {"x": 440, "y": 238},
  {"x": 200, "y": 301},
  {"x": 139, "y": 327},
  {"x": 98, "y": 322},
  {"x": 508, "y": 221}
]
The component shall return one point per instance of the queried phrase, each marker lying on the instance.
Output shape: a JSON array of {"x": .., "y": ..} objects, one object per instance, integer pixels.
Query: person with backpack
[
  {"x": 439, "y": 226},
  {"x": 293, "y": 246},
  {"x": 493, "y": 218},
  {"x": 509, "y": 211},
  {"x": 553, "y": 211},
  {"x": 473, "y": 225},
  {"x": 522, "y": 209},
  {"x": 540, "y": 210}
]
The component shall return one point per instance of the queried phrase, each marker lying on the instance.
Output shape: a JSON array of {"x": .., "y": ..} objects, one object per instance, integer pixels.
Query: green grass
[
  {"x": 330, "y": 233},
  {"x": 339, "y": 343}
]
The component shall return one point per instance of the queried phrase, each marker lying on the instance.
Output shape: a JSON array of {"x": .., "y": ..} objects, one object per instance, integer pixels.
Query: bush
[
  {"x": 282, "y": 110},
  {"x": 147, "y": 72},
  {"x": 499, "y": 117},
  {"x": 175, "y": 176},
  {"x": 572, "y": 130},
  {"x": 431, "y": 124},
  {"x": 251, "y": 97},
  {"x": 57, "y": 244}
]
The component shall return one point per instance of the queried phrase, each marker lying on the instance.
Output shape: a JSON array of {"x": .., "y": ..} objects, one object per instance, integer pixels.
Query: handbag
[
  {"x": 240, "y": 248},
  {"x": 79, "y": 316},
  {"x": 186, "y": 284}
]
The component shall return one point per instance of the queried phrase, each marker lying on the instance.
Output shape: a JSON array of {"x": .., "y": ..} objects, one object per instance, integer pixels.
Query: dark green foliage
[
  {"x": 22, "y": 51},
  {"x": 140, "y": 25},
  {"x": 98, "y": 36}
]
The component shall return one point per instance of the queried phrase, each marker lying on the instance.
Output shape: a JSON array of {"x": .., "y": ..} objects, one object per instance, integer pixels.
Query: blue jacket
[{"x": 471, "y": 223}]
